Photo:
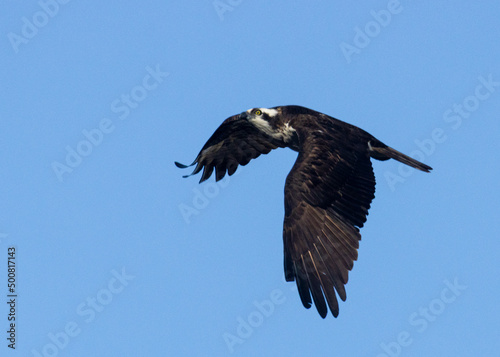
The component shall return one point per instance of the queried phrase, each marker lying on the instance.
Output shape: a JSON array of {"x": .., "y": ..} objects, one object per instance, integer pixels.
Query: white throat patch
[
  {"x": 284, "y": 133},
  {"x": 262, "y": 125}
]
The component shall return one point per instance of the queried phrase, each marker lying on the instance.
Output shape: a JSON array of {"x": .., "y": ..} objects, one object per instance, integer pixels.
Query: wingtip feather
[{"x": 181, "y": 166}]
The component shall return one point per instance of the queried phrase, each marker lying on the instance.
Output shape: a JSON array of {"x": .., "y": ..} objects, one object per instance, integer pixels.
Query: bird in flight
[{"x": 327, "y": 192}]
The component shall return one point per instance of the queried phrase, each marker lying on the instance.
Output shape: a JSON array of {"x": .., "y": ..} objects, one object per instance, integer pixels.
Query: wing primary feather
[
  {"x": 329, "y": 254},
  {"x": 315, "y": 282},
  {"x": 331, "y": 282},
  {"x": 231, "y": 168},
  {"x": 301, "y": 278},
  {"x": 182, "y": 166},
  {"x": 333, "y": 269},
  {"x": 207, "y": 172},
  {"x": 197, "y": 169},
  {"x": 220, "y": 172}
]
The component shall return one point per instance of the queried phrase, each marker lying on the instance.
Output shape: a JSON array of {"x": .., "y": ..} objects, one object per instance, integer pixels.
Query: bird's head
[{"x": 266, "y": 120}]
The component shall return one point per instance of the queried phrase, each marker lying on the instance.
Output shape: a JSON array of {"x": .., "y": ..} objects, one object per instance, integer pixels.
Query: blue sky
[{"x": 118, "y": 255}]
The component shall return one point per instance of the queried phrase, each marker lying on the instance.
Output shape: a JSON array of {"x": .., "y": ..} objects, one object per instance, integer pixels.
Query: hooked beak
[{"x": 244, "y": 115}]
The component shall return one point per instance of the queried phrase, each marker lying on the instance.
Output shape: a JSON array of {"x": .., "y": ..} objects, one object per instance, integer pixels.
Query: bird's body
[{"x": 327, "y": 192}]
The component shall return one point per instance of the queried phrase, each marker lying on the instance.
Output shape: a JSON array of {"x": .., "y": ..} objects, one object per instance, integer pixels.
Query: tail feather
[{"x": 386, "y": 153}]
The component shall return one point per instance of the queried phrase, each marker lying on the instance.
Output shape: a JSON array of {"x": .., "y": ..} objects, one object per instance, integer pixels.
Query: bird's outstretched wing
[
  {"x": 235, "y": 142},
  {"x": 327, "y": 196}
]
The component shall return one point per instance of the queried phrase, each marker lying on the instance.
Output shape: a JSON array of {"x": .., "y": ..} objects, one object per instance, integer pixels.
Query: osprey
[{"x": 327, "y": 193}]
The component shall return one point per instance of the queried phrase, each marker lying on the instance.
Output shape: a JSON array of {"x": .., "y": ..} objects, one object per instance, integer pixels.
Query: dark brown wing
[
  {"x": 235, "y": 142},
  {"x": 327, "y": 196}
]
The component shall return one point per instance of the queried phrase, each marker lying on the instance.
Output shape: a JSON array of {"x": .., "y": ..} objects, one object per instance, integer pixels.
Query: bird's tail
[{"x": 381, "y": 151}]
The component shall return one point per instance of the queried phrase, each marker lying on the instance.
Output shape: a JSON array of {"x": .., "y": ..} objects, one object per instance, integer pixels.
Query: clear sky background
[{"x": 118, "y": 255}]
